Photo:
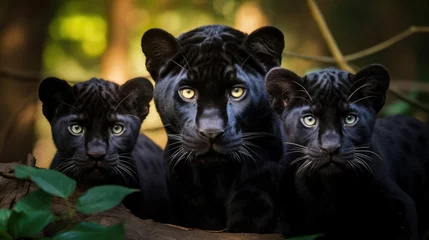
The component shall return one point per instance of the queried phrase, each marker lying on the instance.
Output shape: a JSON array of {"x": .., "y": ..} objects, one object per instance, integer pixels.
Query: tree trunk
[
  {"x": 114, "y": 64},
  {"x": 22, "y": 38}
]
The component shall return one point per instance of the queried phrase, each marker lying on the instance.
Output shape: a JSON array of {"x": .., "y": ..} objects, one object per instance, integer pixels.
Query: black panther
[
  {"x": 347, "y": 174},
  {"x": 224, "y": 140},
  {"x": 96, "y": 130}
]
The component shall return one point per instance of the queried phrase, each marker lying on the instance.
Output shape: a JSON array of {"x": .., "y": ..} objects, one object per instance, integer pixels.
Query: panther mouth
[{"x": 95, "y": 167}]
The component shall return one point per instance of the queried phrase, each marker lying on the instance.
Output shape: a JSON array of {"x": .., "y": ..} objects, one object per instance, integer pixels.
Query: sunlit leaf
[
  {"x": 28, "y": 224},
  {"x": 37, "y": 200},
  {"x": 4, "y": 216},
  {"x": 51, "y": 181},
  {"x": 101, "y": 198}
]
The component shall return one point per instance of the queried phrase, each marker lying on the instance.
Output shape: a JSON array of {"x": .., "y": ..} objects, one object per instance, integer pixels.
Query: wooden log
[{"x": 11, "y": 189}]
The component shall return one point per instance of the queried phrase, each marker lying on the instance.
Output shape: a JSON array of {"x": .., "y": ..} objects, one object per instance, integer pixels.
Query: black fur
[
  {"x": 222, "y": 152},
  {"x": 349, "y": 179},
  {"x": 100, "y": 154}
]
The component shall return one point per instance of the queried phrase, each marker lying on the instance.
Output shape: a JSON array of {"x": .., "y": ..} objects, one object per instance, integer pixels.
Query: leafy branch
[{"x": 31, "y": 214}]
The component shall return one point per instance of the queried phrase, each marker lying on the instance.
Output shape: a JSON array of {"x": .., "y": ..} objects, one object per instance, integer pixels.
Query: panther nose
[
  {"x": 330, "y": 148},
  {"x": 211, "y": 133},
  {"x": 96, "y": 154}
]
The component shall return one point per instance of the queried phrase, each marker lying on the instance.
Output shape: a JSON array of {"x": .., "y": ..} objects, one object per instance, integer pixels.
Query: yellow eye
[
  {"x": 187, "y": 93},
  {"x": 350, "y": 119},
  {"x": 76, "y": 129},
  {"x": 118, "y": 129},
  {"x": 237, "y": 92},
  {"x": 309, "y": 121}
]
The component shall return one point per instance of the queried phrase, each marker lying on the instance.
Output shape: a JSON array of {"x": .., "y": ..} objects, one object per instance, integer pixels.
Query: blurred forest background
[{"x": 79, "y": 39}]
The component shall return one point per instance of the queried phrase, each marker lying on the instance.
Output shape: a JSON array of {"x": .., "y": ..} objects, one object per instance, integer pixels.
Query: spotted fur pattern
[
  {"x": 222, "y": 152},
  {"x": 346, "y": 174},
  {"x": 85, "y": 121}
]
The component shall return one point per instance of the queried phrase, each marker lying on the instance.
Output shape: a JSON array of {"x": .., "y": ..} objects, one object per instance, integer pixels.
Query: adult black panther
[{"x": 223, "y": 138}]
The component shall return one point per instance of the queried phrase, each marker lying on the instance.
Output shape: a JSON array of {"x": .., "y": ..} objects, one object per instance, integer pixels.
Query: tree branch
[
  {"x": 365, "y": 52},
  {"x": 394, "y": 91},
  {"x": 342, "y": 62},
  {"x": 389, "y": 42},
  {"x": 327, "y": 35}
]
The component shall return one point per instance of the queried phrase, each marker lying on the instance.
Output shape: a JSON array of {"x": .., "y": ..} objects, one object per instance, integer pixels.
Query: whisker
[
  {"x": 186, "y": 61},
  {"x": 363, "y": 98},
  {"x": 364, "y": 164},
  {"x": 74, "y": 108},
  {"x": 303, "y": 98},
  {"x": 179, "y": 65},
  {"x": 123, "y": 99},
  {"x": 355, "y": 91},
  {"x": 296, "y": 144},
  {"x": 369, "y": 151},
  {"x": 305, "y": 90},
  {"x": 299, "y": 160}
]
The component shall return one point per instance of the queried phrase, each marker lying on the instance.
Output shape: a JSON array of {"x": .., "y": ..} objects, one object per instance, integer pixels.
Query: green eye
[
  {"x": 237, "y": 92},
  {"x": 309, "y": 121},
  {"x": 76, "y": 129},
  {"x": 118, "y": 129},
  {"x": 350, "y": 119}
]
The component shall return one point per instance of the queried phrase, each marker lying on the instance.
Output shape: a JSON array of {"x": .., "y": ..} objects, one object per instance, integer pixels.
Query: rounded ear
[
  {"x": 139, "y": 92},
  {"x": 266, "y": 44},
  {"x": 52, "y": 92},
  {"x": 371, "y": 83},
  {"x": 158, "y": 46},
  {"x": 281, "y": 85}
]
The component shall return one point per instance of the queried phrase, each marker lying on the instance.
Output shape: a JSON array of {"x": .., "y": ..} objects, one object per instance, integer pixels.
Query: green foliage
[
  {"x": 4, "y": 217},
  {"x": 31, "y": 214},
  {"x": 50, "y": 181},
  {"x": 37, "y": 200},
  {"x": 400, "y": 106},
  {"x": 28, "y": 224},
  {"x": 310, "y": 237},
  {"x": 92, "y": 231},
  {"x": 102, "y": 198}
]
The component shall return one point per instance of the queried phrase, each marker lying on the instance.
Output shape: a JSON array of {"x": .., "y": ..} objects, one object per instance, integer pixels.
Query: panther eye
[
  {"x": 117, "y": 129},
  {"x": 237, "y": 92},
  {"x": 350, "y": 119},
  {"x": 75, "y": 129},
  {"x": 309, "y": 121},
  {"x": 187, "y": 93}
]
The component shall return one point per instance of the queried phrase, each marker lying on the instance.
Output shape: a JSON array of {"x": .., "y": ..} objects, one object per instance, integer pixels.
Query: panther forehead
[
  {"x": 329, "y": 86},
  {"x": 96, "y": 98}
]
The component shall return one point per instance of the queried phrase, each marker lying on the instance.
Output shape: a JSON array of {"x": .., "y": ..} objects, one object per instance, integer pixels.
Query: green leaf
[
  {"x": 4, "y": 235},
  {"x": 51, "y": 181},
  {"x": 28, "y": 224},
  {"x": 4, "y": 217},
  {"x": 309, "y": 237},
  {"x": 92, "y": 231},
  {"x": 37, "y": 200},
  {"x": 101, "y": 198}
]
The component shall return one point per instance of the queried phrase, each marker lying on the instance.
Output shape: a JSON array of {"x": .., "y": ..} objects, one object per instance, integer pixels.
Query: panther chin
[
  {"x": 94, "y": 173},
  {"x": 325, "y": 166}
]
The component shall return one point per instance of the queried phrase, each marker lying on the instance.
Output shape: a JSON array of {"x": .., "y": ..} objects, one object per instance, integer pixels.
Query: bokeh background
[{"x": 79, "y": 39}]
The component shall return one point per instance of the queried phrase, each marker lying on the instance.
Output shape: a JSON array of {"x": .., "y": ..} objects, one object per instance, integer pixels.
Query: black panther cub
[
  {"x": 346, "y": 174},
  {"x": 95, "y": 126},
  {"x": 224, "y": 140}
]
